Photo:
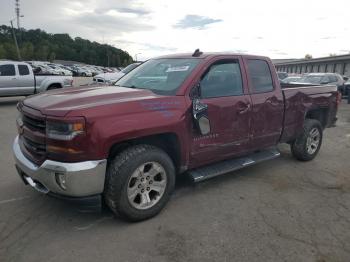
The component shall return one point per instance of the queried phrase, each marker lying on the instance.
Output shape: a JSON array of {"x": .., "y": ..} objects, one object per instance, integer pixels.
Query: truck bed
[{"x": 300, "y": 99}]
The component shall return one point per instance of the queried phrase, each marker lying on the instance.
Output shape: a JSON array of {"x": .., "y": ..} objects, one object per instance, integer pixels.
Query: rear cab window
[
  {"x": 260, "y": 76},
  {"x": 7, "y": 70},
  {"x": 23, "y": 70}
]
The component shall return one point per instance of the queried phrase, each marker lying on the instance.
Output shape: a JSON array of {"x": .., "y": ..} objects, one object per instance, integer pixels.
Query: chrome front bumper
[{"x": 81, "y": 178}]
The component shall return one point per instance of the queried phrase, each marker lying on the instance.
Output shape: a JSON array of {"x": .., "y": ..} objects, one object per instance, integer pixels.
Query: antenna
[
  {"x": 17, "y": 13},
  {"x": 197, "y": 53}
]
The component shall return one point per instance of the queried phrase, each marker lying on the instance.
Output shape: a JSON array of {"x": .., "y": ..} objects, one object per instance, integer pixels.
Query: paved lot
[{"x": 282, "y": 210}]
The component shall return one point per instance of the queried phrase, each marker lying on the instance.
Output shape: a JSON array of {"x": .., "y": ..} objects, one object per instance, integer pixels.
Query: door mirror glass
[
  {"x": 200, "y": 115},
  {"x": 204, "y": 125}
]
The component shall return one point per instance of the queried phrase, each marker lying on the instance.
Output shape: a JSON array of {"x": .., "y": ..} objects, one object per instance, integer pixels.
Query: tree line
[{"x": 39, "y": 45}]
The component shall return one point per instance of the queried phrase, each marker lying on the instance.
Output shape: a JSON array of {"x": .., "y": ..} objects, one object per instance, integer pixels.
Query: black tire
[
  {"x": 52, "y": 87},
  {"x": 118, "y": 175},
  {"x": 299, "y": 147}
]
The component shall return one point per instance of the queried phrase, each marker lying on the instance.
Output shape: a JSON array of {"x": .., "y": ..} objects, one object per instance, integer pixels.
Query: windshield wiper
[{"x": 133, "y": 86}]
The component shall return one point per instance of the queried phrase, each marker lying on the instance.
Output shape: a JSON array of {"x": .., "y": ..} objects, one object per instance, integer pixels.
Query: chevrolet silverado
[{"x": 200, "y": 114}]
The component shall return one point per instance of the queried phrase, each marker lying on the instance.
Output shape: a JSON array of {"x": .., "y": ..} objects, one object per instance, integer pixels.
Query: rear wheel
[
  {"x": 139, "y": 182},
  {"x": 307, "y": 145},
  {"x": 51, "y": 87}
]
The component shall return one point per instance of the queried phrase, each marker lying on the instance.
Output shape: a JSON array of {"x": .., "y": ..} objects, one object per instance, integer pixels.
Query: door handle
[
  {"x": 14, "y": 78},
  {"x": 243, "y": 109}
]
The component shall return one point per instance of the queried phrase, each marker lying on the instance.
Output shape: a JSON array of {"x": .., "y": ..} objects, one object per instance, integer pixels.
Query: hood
[
  {"x": 61, "y": 101},
  {"x": 110, "y": 76}
]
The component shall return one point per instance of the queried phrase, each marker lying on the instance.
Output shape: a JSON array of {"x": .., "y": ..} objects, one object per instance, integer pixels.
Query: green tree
[
  {"x": 118, "y": 63},
  {"x": 2, "y": 52},
  {"x": 52, "y": 56},
  {"x": 11, "y": 52},
  {"x": 42, "y": 53},
  {"x": 27, "y": 51},
  {"x": 39, "y": 45}
]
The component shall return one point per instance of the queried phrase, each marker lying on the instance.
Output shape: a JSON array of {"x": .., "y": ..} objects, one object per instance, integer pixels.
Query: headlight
[{"x": 64, "y": 131}]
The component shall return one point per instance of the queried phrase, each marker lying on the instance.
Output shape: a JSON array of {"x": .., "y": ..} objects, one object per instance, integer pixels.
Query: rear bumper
[{"x": 81, "y": 179}]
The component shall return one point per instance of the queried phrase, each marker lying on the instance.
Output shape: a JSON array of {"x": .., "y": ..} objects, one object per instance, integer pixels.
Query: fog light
[{"x": 61, "y": 180}]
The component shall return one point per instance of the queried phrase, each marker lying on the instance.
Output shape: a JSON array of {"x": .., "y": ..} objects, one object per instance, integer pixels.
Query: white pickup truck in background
[{"x": 18, "y": 79}]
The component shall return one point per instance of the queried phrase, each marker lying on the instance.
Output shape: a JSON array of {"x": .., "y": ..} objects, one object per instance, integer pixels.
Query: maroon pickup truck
[{"x": 203, "y": 114}]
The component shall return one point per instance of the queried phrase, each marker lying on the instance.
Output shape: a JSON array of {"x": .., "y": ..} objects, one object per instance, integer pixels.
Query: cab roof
[{"x": 208, "y": 55}]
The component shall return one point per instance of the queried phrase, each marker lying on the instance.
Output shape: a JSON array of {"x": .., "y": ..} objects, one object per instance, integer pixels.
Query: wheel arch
[
  {"x": 55, "y": 85},
  {"x": 320, "y": 114},
  {"x": 169, "y": 142}
]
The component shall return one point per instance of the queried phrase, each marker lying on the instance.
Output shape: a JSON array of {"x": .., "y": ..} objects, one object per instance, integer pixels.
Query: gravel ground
[{"x": 282, "y": 210}]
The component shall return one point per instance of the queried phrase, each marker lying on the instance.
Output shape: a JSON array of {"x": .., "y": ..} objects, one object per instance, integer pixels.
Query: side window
[
  {"x": 23, "y": 70},
  {"x": 7, "y": 70},
  {"x": 333, "y": 79},
  {"x": 260, "y": 76},
  {"x": 222, "y": 79},
  {"x": 326, "y": 79}
]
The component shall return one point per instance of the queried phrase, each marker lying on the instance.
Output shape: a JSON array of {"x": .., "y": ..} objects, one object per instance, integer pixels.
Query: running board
[{"x": 230, "y": 165}]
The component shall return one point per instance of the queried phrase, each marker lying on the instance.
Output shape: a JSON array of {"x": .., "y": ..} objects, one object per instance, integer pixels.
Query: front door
[
  {"x": 8, "y": 80},
  {"x": 222, "y": 90}
]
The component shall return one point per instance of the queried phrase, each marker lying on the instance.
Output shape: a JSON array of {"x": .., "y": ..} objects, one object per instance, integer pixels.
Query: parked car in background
[
  {"x": 200, "y": 114},
  {"x": 291, "y": 79},
  {"x": 81, "y": 71},
  {"x": 18, "y": 79},
  {"x": 282, "y": 75},
  {"x": 346, "y": 90},
  {"x": 42, "y": 69},
  {"x": 324, "y": 79},
  {"x": 60, "y": 69},
  {"x": 113, "y": 77}
]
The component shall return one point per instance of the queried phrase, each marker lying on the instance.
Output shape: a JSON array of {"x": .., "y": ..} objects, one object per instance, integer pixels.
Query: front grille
[
  {"x": 33, "y": 135},
  {"x": 34, "y": 123},
  {"x": 34, "y": 147}
]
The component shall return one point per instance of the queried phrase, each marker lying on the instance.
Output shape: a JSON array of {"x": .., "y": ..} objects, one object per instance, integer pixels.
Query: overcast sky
[{"x": 279, "y": 29}]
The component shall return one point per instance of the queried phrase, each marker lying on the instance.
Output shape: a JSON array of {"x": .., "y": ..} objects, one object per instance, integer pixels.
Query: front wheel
[
  {"x": 307, "y": 145},
  {"x": 139, "y": 182}
]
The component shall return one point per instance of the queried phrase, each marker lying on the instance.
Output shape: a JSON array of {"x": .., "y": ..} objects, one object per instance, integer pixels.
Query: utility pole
[
  {"x": 136, "y": 56},
  {"x": 15, "y": 39},
  {"x": 17, "y": 13}
]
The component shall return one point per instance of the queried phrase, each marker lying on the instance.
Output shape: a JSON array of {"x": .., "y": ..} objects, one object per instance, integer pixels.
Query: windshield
[
  {"x": 129, "y": 68},
  {"x": 163, "y": 76}
]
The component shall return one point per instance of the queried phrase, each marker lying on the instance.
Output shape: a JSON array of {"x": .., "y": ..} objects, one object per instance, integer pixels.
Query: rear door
[
  {"x": 267, "y": 103},
  {"x": 223, "y": 91}
]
